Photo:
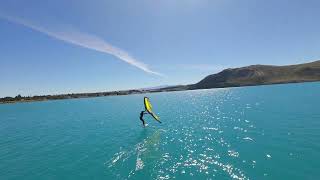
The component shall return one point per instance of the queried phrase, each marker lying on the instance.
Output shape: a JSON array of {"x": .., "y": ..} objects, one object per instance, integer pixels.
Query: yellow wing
[
  {"x": 147, "y": 104},
  {"x": 155, "y": 117},
  {"x": 148, "y": 108}
]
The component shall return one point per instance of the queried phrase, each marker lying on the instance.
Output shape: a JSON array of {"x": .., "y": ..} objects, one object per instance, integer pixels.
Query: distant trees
[
  {"x": 18, "y": 97},
  {"x": 10, "y": 99},
  {"x": 7, "y": 99}
]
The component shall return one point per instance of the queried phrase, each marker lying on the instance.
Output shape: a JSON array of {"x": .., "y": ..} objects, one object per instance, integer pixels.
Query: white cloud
[{"x": 84, "y": 40}]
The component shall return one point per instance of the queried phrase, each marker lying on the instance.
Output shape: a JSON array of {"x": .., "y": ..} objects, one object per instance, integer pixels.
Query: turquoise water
[{"x": 264, "y": 132}]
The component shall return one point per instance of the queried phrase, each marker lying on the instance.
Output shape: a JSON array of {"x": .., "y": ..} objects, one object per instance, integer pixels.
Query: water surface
[{"x": 263, "y": 132}]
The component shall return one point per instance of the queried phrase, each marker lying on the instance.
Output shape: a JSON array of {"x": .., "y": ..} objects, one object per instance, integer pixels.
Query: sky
[{"x": 71, "y": 46}]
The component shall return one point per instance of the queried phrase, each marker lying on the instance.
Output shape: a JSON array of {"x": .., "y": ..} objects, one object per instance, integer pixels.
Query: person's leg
[{"x": 142, "y": 121}]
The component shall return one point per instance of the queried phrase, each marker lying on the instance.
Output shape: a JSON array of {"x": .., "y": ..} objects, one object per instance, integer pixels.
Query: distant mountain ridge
[
  {"x": 232, "y": 77},
  {"x": 260, "y": 75}
]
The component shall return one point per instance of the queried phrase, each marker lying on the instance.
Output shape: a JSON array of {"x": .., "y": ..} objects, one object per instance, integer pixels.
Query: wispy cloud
[{"x": 84, "y": 40}]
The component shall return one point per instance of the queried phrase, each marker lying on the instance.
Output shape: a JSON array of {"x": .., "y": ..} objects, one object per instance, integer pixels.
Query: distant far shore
[
  {"x": 253, "y": 75},
  {"x": 22, "y": 99}
]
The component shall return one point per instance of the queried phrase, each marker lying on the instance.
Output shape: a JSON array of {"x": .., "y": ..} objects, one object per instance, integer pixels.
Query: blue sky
[{"x": 64, "y": 46}]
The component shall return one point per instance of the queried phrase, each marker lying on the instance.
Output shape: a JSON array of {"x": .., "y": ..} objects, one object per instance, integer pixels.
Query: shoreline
[
  {"x": 123, "y": 93},
  {"x": 254, "y": 75}
]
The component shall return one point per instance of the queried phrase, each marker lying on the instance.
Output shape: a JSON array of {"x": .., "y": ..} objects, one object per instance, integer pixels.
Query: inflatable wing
[{"x": 148, "y": 108}]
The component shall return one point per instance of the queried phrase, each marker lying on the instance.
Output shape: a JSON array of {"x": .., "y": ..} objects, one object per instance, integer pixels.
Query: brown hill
[{"x": 261, "y": 74}]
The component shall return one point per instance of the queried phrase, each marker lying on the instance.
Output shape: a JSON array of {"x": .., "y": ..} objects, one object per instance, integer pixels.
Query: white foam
[
  {"x": 139, "y": 164},
  {"x": 248, "y": 138}
]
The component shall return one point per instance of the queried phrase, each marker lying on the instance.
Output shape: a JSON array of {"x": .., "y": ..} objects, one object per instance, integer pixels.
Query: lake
[{"x": 262, "y": 132}]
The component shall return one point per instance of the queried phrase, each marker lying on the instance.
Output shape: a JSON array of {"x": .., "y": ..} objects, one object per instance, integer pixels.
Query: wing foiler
[{"x": 148, "y": 108}]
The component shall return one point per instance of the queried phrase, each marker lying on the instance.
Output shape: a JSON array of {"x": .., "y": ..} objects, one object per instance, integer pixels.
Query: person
[{"x": 141, "y": 118}]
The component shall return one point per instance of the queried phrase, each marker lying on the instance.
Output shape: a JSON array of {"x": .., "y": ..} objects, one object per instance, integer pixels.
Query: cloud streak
[{"x": 84, "y": 40}]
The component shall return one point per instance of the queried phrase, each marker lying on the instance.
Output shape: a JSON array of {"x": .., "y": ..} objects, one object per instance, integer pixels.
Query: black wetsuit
[{"x": 141, "y": 117}]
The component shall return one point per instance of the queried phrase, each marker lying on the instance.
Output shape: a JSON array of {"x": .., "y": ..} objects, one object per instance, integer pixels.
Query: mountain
[
  {"x": 244, "y": 76},
  {"x": 260, "y": 75}
]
